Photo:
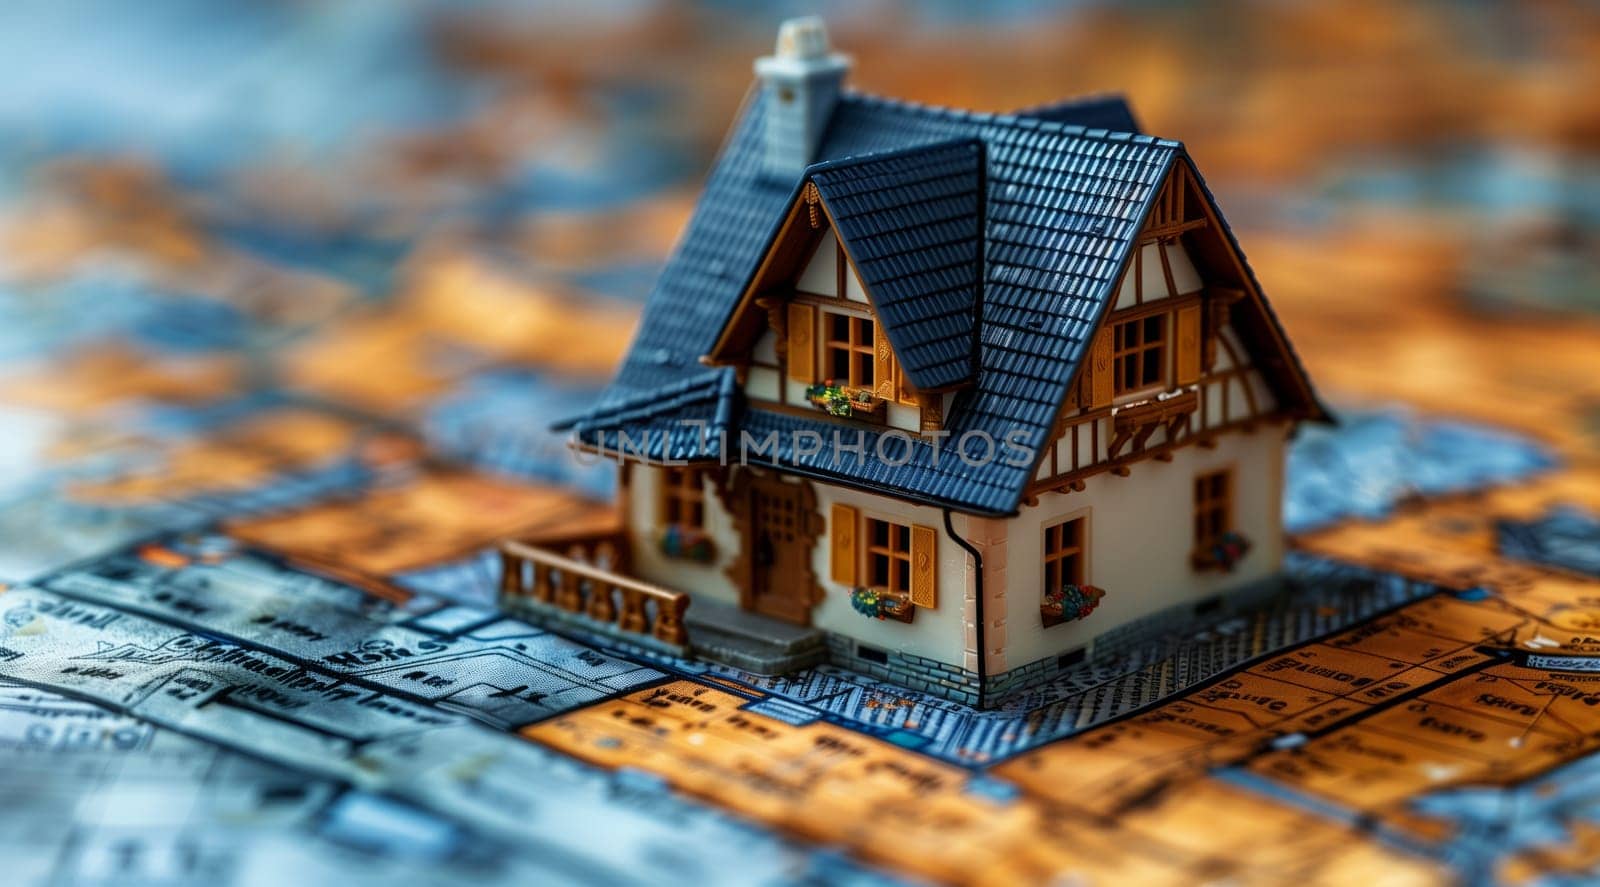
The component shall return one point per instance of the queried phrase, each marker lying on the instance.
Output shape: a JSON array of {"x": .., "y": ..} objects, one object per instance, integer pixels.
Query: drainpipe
[{"x": 977, "y": 587}]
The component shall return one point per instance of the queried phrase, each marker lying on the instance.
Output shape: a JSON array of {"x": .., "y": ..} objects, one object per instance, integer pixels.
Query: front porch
[{"x": 580, "y": 577}]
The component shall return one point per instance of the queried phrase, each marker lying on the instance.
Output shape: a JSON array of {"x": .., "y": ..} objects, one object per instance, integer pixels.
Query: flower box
[
  {"x": 1226, "y": 552},
  {"x": 686, "y": 543},
  {"x": 1069, "y": 603},
  {"x": 880, "y": 603},
  {"x": 844, "y": 401}
]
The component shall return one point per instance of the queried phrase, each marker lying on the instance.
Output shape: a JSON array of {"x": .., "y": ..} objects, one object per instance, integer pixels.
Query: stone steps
[{"x": 755, "y": 643}]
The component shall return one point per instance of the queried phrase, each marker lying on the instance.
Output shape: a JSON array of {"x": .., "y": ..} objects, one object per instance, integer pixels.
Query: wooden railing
[
  {"x": 604, "y": 545},
  {"x": 531, "y": 573}
]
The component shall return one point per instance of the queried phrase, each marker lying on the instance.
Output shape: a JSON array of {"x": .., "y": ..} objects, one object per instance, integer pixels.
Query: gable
[
  {"x": 909, "y": 227},
  {"x": 1235, "y": 296}
]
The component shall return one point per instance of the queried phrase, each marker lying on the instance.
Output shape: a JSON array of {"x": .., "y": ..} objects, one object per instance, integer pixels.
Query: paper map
[{"x": 291, "y": 294}]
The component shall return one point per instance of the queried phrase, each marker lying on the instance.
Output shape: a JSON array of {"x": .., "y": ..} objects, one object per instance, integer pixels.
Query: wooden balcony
[{"x": 542, "y": 578}]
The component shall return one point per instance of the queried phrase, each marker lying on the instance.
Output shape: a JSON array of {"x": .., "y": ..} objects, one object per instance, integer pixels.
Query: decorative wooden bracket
[
  {"x": 778, "y": 318},
  {"x": 813, "y": 205}
]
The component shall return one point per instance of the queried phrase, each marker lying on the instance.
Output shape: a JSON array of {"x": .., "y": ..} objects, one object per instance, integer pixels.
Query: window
[
  {"x": 1139, "y": 353},
  {"x": 683, "y": 498},
  {"x": 1063, "y": 554},
  {"x": 1213, "y": 507},
  {"x": 888, "y": 555},
  {"x": 848, "y": 349}
]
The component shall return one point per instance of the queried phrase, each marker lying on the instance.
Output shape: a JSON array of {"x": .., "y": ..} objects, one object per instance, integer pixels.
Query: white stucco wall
[
  {"x": 936, "y": 633},
  {"x": 1140, "y": 534},
  {"x": 643, "y": 505},
  {"x": 821, "y": 274}
]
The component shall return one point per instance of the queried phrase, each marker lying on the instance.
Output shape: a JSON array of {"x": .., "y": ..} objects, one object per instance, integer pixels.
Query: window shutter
[
  {"x": 1186, "y": 344},
  {"x": 924, "y": 567},
  {"x": 801, "y": 353},
  {"x": 1096, "y": 372},
  {"x": 903, "y": 392},
  {"x": 883, "y": 372},
  {"x": 844, "y": 553}
]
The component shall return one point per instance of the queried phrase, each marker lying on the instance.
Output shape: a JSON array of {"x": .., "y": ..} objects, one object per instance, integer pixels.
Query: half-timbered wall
[
  {"x": 1207, "y": 385},
  {"x": 1229, "y": 398}
]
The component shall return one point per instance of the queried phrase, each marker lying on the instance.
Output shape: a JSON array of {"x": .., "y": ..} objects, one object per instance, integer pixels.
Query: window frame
[
  {"x": 682, "y": 497},
  {"x": 1214, "y": 507},
  {"x": 1139, "y": 353},
  {"x": 1049, "y": 560},
  {"x": 860, "y": 354},
  {"x": 897, "y": 562}
]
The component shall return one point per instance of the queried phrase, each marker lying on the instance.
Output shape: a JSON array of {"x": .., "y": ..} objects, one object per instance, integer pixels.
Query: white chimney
[{"x": 801, "y": 80}]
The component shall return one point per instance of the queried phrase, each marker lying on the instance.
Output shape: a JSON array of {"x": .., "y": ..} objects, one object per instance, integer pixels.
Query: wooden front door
[{"x": 778, "y": 538}]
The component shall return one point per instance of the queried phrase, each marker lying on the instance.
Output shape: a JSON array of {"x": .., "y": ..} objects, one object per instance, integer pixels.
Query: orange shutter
[
  {"x": 924, "y": 567},
  {"x": 1096, "y": 372},
  {"x": 844, "y": 553},
  {"x": 883, "y": 371},
  {"x": 802, "y": 352},
  {"x": 1075, "y": 398},
  {"x": 1186, "y": 344},
  {"x": 903, "y": 392}
]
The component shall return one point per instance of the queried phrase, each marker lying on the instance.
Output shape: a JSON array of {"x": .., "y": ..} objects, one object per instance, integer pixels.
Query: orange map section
[
  {"x": 1253, "y": 777},
  {"x": 434, "y": 517},
  {"x": 900, "y": 809}
]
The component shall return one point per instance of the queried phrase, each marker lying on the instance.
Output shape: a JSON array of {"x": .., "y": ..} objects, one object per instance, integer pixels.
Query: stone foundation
[
  {"x": 1173, "y": 619},
  {"x": 916, "y": 672},
  {"x": 961, "y": 685}
]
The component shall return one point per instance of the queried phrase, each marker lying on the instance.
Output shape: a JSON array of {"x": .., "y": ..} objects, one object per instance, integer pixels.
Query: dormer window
[
  {"x": 1139, "y": 354},
  {"x": 848, "y": 350}
]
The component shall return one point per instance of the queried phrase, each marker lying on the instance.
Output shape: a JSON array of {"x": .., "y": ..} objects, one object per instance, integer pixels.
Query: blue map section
[
  {"x": 306, "y": 156},
  {"x": 1566, "y": 537},
  {"x": 1371, "y": 461},
  {"x": 500, "y": 421}
]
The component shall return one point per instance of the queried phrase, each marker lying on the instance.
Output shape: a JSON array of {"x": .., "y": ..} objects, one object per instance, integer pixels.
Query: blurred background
[{"x": 240, "y": 240}]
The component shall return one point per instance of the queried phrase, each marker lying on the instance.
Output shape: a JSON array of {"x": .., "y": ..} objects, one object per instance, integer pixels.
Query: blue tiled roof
[
  {"x": 685, "y": 420},
  {"x": 1110, "y": 112},
  {"x": 912, "y": 224},
  {"x": 1064, "y": 206}
]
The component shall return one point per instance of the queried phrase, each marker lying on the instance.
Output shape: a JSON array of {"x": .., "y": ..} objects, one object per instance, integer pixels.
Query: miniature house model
[{"x": 963, "y": 395}]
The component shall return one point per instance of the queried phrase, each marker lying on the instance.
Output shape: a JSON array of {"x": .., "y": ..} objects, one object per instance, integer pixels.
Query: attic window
[
  {"x": 1139, "y": 353},
  {"x": 848, "y": 349}
]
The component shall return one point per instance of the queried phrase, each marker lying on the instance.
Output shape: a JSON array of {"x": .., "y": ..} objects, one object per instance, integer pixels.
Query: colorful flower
[
  {"x": 867, "y": 602},
  {"x": 1069, "y": 602}
]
